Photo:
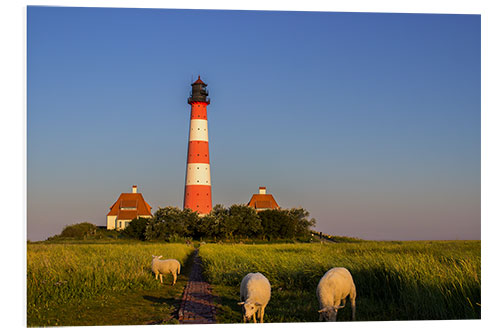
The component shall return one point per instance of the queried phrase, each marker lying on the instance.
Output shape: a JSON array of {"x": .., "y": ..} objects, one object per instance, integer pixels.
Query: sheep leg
[
  {"x": 156, "y": 276},
  {"x": 254, "y": 319},
  {"x": 352, "y": 298},
  {"x": 161, "y": 278},
  {"x": 175, "y": 278},
  {"x": 261, "y": 313},
  {"x": 336, "y": 303}
]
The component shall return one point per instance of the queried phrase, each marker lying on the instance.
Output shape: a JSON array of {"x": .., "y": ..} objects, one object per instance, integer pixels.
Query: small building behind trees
[
  {"x": 129, "y": 206},
  {"x": 263, "y": 201}
]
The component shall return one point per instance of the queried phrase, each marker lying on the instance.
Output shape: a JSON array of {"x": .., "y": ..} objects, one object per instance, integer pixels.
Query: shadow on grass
[
  {"x": 159, "y": 300},
  {"x": 227, "y": 309}
]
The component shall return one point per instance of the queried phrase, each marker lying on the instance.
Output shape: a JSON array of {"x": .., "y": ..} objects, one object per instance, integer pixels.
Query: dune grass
[
  {"x": 111, "y": 283},
  {"x": 69, "y": 274},
  {"x": 394, "y": 280}
]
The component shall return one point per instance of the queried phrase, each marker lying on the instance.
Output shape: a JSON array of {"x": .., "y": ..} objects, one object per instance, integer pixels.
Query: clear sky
[{"x": 369, "y": 121}]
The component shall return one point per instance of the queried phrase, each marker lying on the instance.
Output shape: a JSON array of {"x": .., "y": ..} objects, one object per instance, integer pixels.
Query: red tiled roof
[
  {"x": 263, "y": 201},
  {"x": 263, "y": 204},
  {"x": 128, "y": 204},
  {"x": 126, "y": 199},
  {"x": 127, "y": 215}
]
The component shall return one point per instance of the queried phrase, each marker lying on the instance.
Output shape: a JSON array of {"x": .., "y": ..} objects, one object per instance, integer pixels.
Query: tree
[
  {"x": 272, "y": 223},
  {"x": 218, "y": 217},
  {"x": 286, "y": 223},
  {"x": 156, "y": 231},
  {"x": 171, "y": 222},
  {"x": 246, "y": 220},
  {"x": 137, "y": 228},
  {"x": 227, "y": 225},
  {"x": 300, "y": 222},
  {"x": 207, "y": 226},
  {"x": 192, "y": 223},
  {"x": 236, "y": 221}
]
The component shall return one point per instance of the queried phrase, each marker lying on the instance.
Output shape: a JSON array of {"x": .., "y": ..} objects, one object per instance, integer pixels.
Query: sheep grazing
[
  {"x": 333, "y": 288},
  {"x": 168, "y": 266},
  {"x": 255, "y": 292}
]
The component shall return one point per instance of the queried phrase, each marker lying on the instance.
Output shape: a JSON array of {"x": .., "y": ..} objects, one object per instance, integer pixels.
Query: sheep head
[
  {"x": 156, "y": 257},
  {"x": 249, "y": 308},
  {"x": 329, "y": 313}
]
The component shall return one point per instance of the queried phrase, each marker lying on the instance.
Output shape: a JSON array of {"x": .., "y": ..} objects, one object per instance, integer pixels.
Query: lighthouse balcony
[{"x": 202, "y": 99}]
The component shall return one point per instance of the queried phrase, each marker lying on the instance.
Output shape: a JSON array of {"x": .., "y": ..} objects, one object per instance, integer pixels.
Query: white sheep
[
  {"x": 255, "y": 292},
  {"x": 167, "y": 266},
  {"x": 333, "y": 288}
]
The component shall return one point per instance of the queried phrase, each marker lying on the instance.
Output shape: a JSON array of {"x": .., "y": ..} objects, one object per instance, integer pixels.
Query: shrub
[
  {"x": 276, "y": 224},
  {"x": 171, "y": 222},
  {"x": 136, "y": 228},
  {"x": 235, "y": 222},
  {"x": 79, "y": 230}
]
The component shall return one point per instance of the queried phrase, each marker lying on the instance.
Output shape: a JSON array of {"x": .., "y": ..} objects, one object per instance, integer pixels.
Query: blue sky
[{"x": 369, "y": 121}]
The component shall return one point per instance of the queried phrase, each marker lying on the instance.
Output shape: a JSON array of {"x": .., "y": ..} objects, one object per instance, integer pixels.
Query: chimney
[
  {"x": 262, "y": 190},
  {"x": 134, "y": 189}
]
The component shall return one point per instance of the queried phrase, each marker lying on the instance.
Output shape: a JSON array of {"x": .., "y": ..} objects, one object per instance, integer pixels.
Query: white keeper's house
[{"x": 128, "y": 207}]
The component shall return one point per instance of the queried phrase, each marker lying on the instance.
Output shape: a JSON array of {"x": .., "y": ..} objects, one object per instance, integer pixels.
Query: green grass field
[
  {"x": 394, "y": 280},
  {"x": 97, "y": 284},
  {"x": 111, "y": 284}
]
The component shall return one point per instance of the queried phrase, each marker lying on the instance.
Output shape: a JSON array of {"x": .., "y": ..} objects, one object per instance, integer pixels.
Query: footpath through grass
[
  {"x": 395, "y": 280},
  {"x": 101, "y": 284}
]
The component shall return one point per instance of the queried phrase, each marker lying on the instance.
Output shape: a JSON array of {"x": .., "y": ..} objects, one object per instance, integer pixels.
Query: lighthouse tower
[{"x": 198, "y": 190}]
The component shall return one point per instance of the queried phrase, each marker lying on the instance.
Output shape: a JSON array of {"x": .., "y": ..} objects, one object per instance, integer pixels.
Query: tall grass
[
  {"x": 61, "y": 273},
  {"x": 394, "y": 280}
]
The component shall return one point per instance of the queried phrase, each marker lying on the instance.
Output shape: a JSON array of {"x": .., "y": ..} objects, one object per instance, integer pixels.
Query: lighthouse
[{"x": 198, "y": 189}]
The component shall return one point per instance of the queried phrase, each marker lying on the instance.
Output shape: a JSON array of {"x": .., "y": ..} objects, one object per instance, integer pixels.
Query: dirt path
[{"x": 197, "y": 305}]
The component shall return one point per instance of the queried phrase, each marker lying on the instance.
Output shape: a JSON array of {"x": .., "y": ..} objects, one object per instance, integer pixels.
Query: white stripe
[
  {"x": 198, "y": 130},
  {"x": 198, "y": 174}
]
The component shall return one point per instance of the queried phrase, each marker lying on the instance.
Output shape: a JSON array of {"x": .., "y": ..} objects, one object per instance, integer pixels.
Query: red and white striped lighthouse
[{"x": 198, "y": 190}]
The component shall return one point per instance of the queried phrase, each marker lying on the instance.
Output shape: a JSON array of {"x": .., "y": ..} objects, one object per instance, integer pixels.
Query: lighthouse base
[{"x": 198, "y": 198}]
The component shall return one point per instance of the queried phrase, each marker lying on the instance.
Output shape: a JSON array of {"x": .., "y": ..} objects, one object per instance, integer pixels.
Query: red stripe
[
  {"x": 198, "y": 152},
  {"x": 198, "y": 198},
  {"x": 198, "y": 111}
]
